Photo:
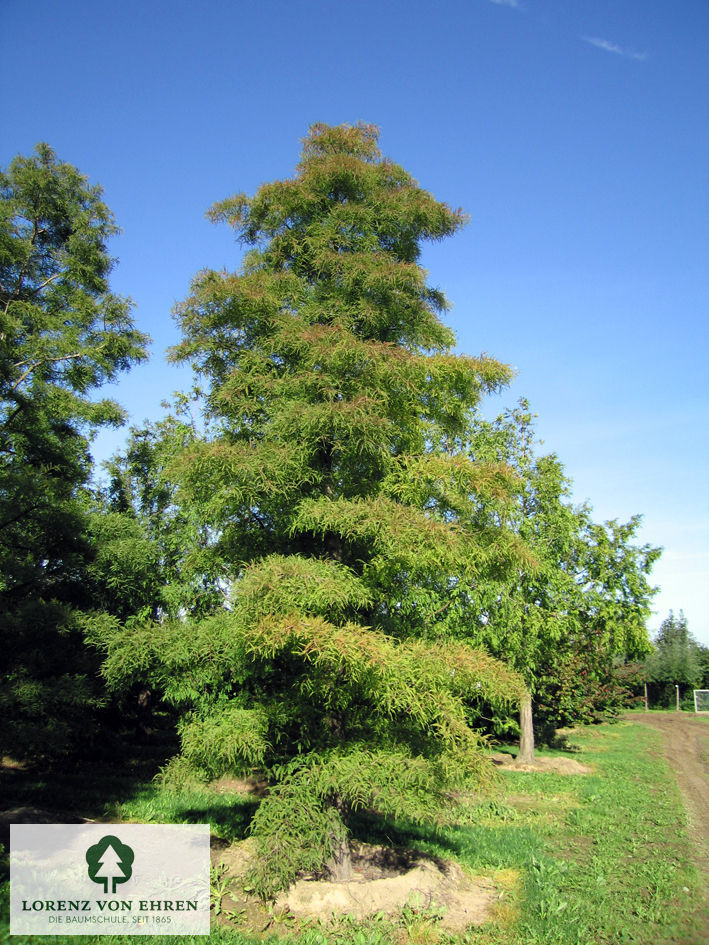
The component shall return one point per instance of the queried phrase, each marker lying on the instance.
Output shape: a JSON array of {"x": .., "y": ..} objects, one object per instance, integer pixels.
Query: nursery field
[{"x": 597, "y": 852}]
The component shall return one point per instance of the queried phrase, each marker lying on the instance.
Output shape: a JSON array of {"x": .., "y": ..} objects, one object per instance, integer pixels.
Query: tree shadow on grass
[
  {"x": 78, "y": 789},
  {"x": 229, "y": 822},
  {"x": 488, "y": 846},
  {"x": 400, "y": 835},
  {"x": 82, "y": 787}
]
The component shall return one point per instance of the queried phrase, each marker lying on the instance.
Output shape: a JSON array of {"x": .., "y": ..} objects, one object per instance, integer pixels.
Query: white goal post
[{"x": 701, "y": 700}]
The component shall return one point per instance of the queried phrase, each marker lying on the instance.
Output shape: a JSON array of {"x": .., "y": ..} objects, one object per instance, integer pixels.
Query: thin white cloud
[
  {"x": 607, "y": 46},
  {"x": 515, "y": 4}
]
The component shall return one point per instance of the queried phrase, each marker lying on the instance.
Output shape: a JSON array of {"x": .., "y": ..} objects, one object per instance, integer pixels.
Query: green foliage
[
  {"x": 333, "y": 455},
  {"x": 282, "y": 584},
  {"x": 566, "y": 621},
  {"x": 63, "y": 332},
  {"x": 178, "y": 774},
  {"x": 338, "y": 699},
  {"x": 170, "y": 547},
  {"x": 676, "y": 660},
  {"x": 360, "y": 678},
  {"x": 234, "y": 738},
  {"x": 704, "y": 665},
  {"x": 299, "y": 825},
  {"x": 124, "y": 571},
  {"x": 580, "y": 686},
  {"x": 615, "y": 584},
  {"x": 62, "y": 335}
]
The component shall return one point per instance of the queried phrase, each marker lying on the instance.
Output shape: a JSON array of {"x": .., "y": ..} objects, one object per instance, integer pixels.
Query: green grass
[
  {"x": 228, "y": 815},
  {"x": 613, "y": 865},
  {"x": 595, "y": 859}
]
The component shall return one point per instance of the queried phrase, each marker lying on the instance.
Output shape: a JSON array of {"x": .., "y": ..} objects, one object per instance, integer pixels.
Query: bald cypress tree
[{"x": 337, "y": 489}]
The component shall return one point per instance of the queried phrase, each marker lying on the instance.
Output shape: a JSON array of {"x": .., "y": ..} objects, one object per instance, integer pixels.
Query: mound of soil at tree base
[
  {"x": 555, "y": 764},
  {"x": 384, "y": 881}
]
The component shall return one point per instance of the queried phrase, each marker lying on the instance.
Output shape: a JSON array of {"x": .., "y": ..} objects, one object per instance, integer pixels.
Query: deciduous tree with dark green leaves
[
  {"x": 530, "y": 613},
  {"x": 155, "y": 558},
  {"x": 337, "y": 493},
  {"x": 563, "y": 622},
  {"x": 63, "y": 334}
]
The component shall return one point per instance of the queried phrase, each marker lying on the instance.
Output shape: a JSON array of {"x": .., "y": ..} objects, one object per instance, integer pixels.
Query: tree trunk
[
  {"x": 526, "y": 740},
  {"x": 144, "y": 723},
  {"x": 339, "y": 866}
]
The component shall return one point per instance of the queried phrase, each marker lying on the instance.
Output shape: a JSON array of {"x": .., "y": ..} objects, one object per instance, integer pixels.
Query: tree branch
[
  {"x": 47, "y": 281},
  {"x": 15, "y": 518},
  {"x": 36, "y": 364}
]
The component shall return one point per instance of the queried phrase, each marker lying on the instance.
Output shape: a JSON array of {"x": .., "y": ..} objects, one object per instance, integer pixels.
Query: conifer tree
[
  {"x": 63, "y": 334},
  {"x": 339, "y": 500},
  {"x": 676, "y": 658}
]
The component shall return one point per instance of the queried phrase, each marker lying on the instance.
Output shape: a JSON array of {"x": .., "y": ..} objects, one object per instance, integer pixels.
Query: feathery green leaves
[{"x": 334, "y": 485}]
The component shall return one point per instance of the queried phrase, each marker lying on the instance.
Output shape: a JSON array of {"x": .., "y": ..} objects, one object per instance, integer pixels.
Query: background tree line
[{"x": 676, "y": 660}]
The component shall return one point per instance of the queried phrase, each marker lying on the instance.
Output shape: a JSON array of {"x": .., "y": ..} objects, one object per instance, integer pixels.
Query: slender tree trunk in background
[
  {"x": 145, "y": 714},
  {"x": 646, "y": 705},
  {"x": 526, "y": 740}
]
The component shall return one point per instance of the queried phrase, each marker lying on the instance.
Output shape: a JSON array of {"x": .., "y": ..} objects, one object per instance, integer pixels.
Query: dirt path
[{"x": 686, "y": 746}]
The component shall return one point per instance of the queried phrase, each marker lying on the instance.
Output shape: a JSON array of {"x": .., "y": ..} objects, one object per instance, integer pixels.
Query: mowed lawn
[{"x": 582, "y": 859}]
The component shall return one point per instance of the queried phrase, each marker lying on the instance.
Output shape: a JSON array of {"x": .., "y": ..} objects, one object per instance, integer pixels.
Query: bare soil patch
[
  {"x": 384, "y": 881},
  {"x": 686, "y": 748},
  {"x": 226, "y": 785},
  {"x": 555, "y": 764}
]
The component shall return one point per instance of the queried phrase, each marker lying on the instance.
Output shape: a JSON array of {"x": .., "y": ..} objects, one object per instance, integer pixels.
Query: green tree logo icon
[{"x": 110, "y": 862}]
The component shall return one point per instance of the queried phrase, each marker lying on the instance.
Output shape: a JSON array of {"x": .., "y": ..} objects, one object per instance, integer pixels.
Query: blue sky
[{"x": 574, "y": 133}]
